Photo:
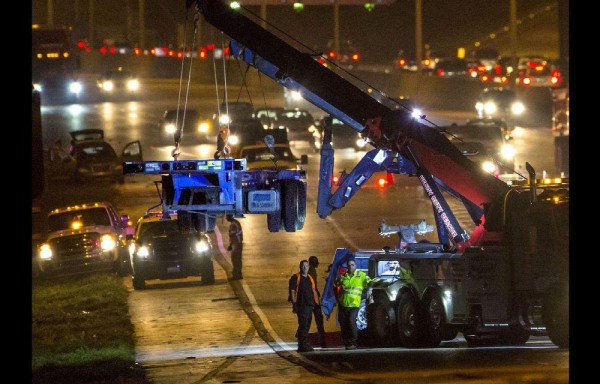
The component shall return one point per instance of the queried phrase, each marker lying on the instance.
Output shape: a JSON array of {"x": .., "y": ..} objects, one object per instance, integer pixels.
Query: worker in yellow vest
[{"x": 351, "y": 284}]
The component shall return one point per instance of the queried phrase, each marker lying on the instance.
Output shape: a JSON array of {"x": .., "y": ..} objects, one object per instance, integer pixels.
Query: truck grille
[
  {"x": 166, "y": 250},
  {"x": 76, "y": 248}
]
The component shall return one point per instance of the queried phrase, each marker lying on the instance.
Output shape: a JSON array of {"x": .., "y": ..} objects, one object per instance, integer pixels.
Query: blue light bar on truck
[{"x": 183, "y": 166}]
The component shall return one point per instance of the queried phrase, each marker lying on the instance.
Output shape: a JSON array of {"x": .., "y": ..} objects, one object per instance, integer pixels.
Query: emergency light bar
[{"x": 183, "y": 166}]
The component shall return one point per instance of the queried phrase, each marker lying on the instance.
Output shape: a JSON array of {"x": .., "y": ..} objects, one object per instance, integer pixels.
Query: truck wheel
[
  {"x": 138, "y": 282},
  {"x": 555, "y": 315},
  {"x": 301, "y": 219},
  {"x": 207, "y": 273},
  {"x": 434, "y": 320},
  {"x": 290, "y": 208},
  {"x": 409, "y": 332},
  {"x": 381, "y": 322},
  {"x": 516, "y": 334},
  {"x": 361, "y": 318},
  {"x": 274, "y": 221}
]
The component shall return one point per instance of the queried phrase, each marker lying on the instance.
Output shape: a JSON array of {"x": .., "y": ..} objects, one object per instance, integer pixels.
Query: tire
[
  {"x": 138, "y": 282},
  {"x": 274, "y": 221},
  {"x": 290, "y": 207},
  {"x": 301, "y": 219},
  {"x": 516, "y": 334},
  {"x": 208, "y": 272},
  {"x": 361, "y": 319},
  {"x": 409, "y": 322},
  {"x": 434, "y": 320},
  {"x": 555, "y": 315},
  {"x": 381, "y": 323}
]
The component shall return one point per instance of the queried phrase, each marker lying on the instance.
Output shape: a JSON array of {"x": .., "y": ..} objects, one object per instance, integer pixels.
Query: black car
[
  {"x": 161, "y": 250},
  {"x": 500, "y": 103},
  {"x": 194, "y": 127},
  {"x": 90, "y": 157},
  {"x": 118, "y": 82},
  {"x": 243, "y": 132},
  {"x": 491, "y": 135},
  {"x": 300, "y": 125},
  {"x": 343, "y": 136}
]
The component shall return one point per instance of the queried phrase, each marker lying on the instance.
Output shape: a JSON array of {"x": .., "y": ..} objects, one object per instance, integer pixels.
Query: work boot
[
  {"x": 305, "y": 348},
  {"x": 323, "y": 342}
]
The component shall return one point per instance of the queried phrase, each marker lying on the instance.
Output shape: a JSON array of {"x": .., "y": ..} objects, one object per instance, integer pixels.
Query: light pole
[{"x": 419, "y": 35}]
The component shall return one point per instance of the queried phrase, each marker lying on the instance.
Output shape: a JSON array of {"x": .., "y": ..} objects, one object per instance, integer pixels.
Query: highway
[{"x": 243, "y": 331}]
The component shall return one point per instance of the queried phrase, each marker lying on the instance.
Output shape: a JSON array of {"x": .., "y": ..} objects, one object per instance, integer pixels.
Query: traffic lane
[{"x": 525, "y": 364}]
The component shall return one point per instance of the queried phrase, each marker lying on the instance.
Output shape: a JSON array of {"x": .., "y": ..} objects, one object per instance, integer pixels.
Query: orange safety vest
[{"x": 314, "y": 288}]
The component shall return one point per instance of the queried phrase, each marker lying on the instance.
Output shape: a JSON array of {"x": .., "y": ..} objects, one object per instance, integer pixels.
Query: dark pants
[
  {"x": 319, "y": 319},
  {"x": 348, "y": 324},
  {"x": 305, "y": 313},
  {"x": 236, "y": 260}
]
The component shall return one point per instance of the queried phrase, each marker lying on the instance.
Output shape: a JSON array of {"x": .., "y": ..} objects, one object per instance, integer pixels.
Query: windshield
[
  {"x": 159, "y": 228},
  {"x": 263, "y": 154},
  {"x": 87, "y": 217}
]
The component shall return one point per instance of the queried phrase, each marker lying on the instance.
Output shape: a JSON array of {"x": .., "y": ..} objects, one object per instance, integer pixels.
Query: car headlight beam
[
  {"x": 508, "y": 151},
  {"x": 201, "y": 246},
  {"x": 108, "y": 242},
  {"x": 517, "y": 108},
  {"x": 45, "y": 252}
]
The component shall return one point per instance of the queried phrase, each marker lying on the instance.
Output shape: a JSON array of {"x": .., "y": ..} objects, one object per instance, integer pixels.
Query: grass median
[{"x": 82, "y": 332}]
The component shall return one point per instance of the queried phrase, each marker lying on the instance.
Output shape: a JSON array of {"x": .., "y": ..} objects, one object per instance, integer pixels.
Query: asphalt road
[{"x": 243, "y": 331}]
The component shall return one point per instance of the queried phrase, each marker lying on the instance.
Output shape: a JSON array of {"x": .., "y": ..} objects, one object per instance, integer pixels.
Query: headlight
[
  {"x": 201, "y": 246},
  {"x": 488, "y": 166},
  {"x": 108, "y": 242},
  {"x": 37, "y": 87},
  {"x": 108, "y": 85},
  {"x": 133, "y": 85},
  {"x": 75, "y": 87},
  {"x": 233, "y": 140},
  {"x": 203, "y": 127},
  {"x": 170, "y": 128},
  {"x": 143, "y": 252},
  {"x": 508, "y": 151},
  {"x": 417, "y": 113},
  {"x": 45, "y": 252},
  {"x": 296, "y": 95},
  {"x": 517, "y": 108},
  {"x": 490, "y": 107},
  {"x": 479, "y": 106},
  {"x": 360, "y": 143},
  {"x": 224, "y": 119}
]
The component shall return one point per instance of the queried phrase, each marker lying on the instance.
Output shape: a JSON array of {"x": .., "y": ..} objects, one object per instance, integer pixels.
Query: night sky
[{"x": 378, "y": 35}]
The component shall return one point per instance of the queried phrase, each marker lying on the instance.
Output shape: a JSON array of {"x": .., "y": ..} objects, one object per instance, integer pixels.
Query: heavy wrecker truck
[{"x": 509, "y": 278}]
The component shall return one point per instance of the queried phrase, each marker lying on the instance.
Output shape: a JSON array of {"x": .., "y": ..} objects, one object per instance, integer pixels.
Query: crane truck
[{"x": 509, "y": 278}]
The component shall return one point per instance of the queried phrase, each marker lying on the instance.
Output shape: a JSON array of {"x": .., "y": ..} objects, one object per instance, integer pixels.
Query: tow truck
[{"x": 509, "y": 277}]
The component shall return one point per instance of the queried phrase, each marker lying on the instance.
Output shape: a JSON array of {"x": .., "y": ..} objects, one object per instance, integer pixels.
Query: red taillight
[
  {"x": 498, "y": 69},
  {"x": 203, "y": 53},
  {"x": 335, "y": 180},
  {"x": 382, "y": 182},
  {"x": 402, "y": 62},
  {"x": 210, "y": 47},
  {"x": 103, "y": 50},
  {"x": 481, "y": 68},
  {"x": 331, "y": 54},
  {"x": 440, "y": 72},
  {"x": 180, "y": 55},
  {"x": 427, "y": 62},
  {"x": 80, "y": 44},
  {"x": 226, "y": 51},
  {"x": 112, "y": 50},
  {"x": 171, "y": 53},
  {"x": 355, "y": 57},
  {"x": 137, "y": 51},
  {"x": 485, "y": 78}
]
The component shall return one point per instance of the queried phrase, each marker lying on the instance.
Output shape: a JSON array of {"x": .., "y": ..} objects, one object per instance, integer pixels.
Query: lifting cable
[{"x": 179, "y": 134}]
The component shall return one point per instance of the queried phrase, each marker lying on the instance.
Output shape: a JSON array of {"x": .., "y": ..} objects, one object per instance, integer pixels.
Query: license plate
[{"x": 173, "y": 269}]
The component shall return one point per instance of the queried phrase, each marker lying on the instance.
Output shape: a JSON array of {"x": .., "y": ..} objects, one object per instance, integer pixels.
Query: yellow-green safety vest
[{"x": 352, "y": 287}]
